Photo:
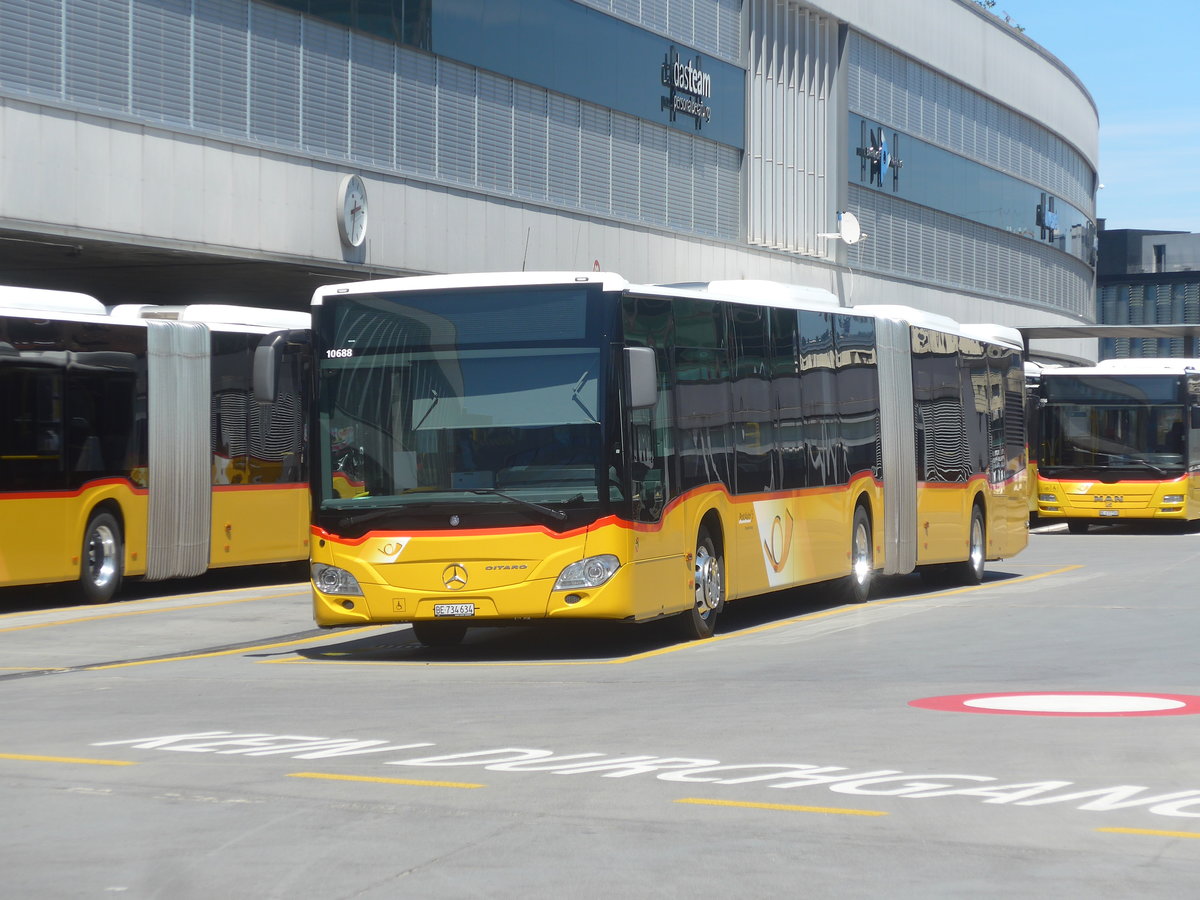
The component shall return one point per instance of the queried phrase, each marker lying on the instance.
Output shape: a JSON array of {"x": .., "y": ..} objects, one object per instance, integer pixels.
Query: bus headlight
[
  {"x": 1173, "y": 498},
  {"x": 1046, "y": 498},
  {"x": 332, "y": 580},
  {"x": 587, "y": 573}
]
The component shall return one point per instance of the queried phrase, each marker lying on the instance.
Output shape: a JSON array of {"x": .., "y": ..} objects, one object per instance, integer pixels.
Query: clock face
[{"x": 352, "y": 210}]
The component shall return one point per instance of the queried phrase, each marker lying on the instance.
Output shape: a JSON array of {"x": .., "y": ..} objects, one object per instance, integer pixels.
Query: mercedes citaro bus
[{"x": 501, "y": 448}]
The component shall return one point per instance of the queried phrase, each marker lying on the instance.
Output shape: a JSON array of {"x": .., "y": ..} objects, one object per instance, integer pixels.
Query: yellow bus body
[
  {"x": 944, "y": 514},
  {"x": 253, "y": 524},
  {"x": 1176, "y": 499},
  {"x": 42, "y": 532},
  {"x": 771, "y": 542}
]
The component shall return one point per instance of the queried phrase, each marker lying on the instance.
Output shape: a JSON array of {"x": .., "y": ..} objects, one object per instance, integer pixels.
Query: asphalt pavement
[{"x": 1033, "y": 736}]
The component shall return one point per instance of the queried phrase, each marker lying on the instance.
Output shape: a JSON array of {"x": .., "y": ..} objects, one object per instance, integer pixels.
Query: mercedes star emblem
[{"x": 454, "y": 577}]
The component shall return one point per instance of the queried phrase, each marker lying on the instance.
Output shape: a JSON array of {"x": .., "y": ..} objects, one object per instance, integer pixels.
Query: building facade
[
  {"x": 235, "y": 148},
  {"x": 1149, "y": 278}
]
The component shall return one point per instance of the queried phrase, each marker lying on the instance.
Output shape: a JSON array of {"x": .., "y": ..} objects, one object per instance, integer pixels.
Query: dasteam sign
[{"x": 690, "y": 88}]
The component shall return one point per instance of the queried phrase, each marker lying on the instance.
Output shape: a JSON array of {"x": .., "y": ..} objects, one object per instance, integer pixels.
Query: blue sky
[{"x": 1141, "y": 63}]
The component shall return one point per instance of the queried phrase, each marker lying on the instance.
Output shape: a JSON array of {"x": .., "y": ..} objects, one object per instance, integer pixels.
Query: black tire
[
  {"x": 1077, "y": 526},
  {"x": 856, "y": 587},
  {"x": 971, "y": 570},
  {"x": 708, "y": 585},
  {"x": 102, "y": 559},
  {"x": 439, "y": 634}
]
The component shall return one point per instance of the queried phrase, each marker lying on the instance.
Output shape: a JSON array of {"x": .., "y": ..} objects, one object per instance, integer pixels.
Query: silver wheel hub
[
  {"x": 862, "y": 555},
  {"x": 101, "y": 556},
  {"x": 977, "y": 545},
  {"x": 708, "y": 581}
]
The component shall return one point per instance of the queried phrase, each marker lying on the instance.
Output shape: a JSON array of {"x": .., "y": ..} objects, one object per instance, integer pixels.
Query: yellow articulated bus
[
  {"x": 133, "y": 444},
  {"x": 1118, "y": 441},
  {"x": 491, "y": 449}
]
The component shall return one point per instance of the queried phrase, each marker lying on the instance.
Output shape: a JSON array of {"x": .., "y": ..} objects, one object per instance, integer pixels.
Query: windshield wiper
[
  {"x": 575, "y": 397},
  {"x": 1134, "y": 462},
  {"x": 537, "y": 507},
  {"x": 433, "y": 395},
  {"x": 370, "y": 516}
]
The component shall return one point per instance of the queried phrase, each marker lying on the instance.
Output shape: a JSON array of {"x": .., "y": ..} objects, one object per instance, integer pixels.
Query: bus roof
[
  {"x": 748, "y": 291},
  {"x": 755, "y": 293},
  {"x": 39, "y": 300},
  {"x": 216, "y": 314},
  {"x": 608, "y": 280}
]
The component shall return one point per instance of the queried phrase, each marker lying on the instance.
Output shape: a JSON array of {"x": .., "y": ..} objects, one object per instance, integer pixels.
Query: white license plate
[
  {"x": 454, "y": 609},
  {"x": 1110, "y": 513}
]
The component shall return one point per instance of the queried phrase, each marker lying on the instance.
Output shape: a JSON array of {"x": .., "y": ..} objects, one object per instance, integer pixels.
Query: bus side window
[
  {"x": 648, "y": 322},
  {"x": 31, "y": 440}
]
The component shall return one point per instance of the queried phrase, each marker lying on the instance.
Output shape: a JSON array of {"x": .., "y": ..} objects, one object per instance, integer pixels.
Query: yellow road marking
[
  {"x": 141, "y": 612},
  {"x": 829, "y": 810},
  {"x": 68, "y": 759},
  {"x": 408, "y": 781},
  {"x": 233, "y": 652},
  {"x": 676, "y": 648},
  {"x": 1177, "y": 834}
]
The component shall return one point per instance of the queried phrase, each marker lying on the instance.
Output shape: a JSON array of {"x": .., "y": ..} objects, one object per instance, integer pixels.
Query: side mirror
[
  {"x": 642, "y": 371},
  {"x": 268, "y": 357}
]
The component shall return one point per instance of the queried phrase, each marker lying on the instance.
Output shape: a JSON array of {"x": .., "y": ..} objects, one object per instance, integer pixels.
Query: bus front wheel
[
  {"x": 708, "y": 585},
  {"x": 101, "y": 563},
  {"x": 1077, "y": 526}
]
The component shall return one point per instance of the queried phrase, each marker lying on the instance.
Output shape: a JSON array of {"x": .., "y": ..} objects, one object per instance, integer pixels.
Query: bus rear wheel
[
  {"x": 101, "y": 562},
  {"x": 971, "y": 571},
  {"x": 856, "y": 587},
  {"x": 708, "y": 584},
  {"x": 439, "y": 634}
]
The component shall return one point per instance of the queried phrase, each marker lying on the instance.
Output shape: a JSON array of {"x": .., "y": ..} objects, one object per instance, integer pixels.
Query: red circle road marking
[{"x": 1066, "y": 703}]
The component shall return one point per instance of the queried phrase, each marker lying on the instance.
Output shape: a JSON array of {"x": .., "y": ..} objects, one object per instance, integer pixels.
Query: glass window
[
  {"x": 73, "y": 401},
  {"x": 858, "y": 393},
  {"x": 467, "y": 395},
  {"x": 31, "y": 441},
  {"x": 753, "y": 416},
  {"x": 230, "y": 409},
  {"x": 648, "y": 322},
  {"x": 820, "y": 424},
  {"x": 931, "y": 176},
  {"x": 949, "y": 448},
  {"x": 1112, "y": 388},
  {"x": 786, "y": 397},
  {"x": 702, "y": 395}
]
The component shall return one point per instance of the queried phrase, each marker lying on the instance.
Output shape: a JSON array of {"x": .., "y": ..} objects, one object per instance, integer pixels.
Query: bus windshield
[
  {"x": 464, "y": 398},
  {"x": 1147, "y": 439}
]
